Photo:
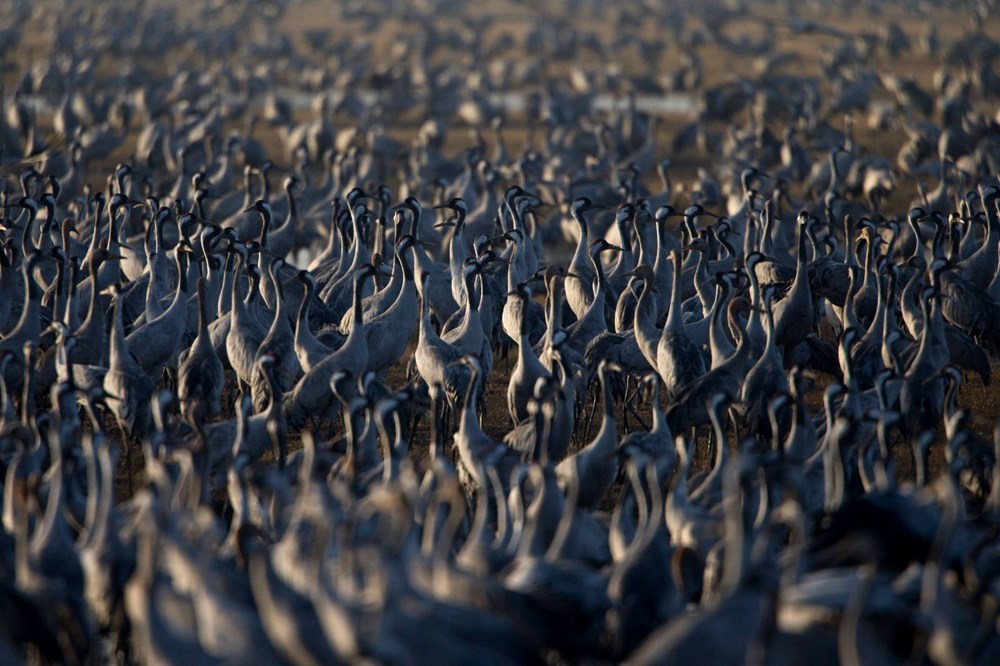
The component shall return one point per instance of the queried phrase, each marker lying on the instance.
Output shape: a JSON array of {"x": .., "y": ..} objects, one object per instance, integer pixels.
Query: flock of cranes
[{"x": 241, "y": 424}]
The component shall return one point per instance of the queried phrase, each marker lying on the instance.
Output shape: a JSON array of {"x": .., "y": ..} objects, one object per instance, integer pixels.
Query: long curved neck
[
  {"x": 157, "y": 229},
  {"x": 119, "y": 350},
  {"x": 239, "y": 308},
  {"x": 644, "y": 315},
  {"x": 742, "y": 342},
  {"x": 934, "y": 316},
  {"x": 280, "y": 318},
  {"x": 27, "y": 244},
  {"x": 182, "y": 282},
  {"x": 628, "y": 520},
  {"x": 65, "y": 309},
  {"x": 608, "y": 424},
  {"x": 701, "y": 279},
  {"x": 890, "y": 326},
  {"x": 718, "y": 307},
  {"x": 918, "y": 238},
  {"x": 847, "y": 365},
  {"x": 721, "y": 449},
  {"x": 469, "y": 418},
  {"x": 802, "y": 260},
  {"x": 642, "y": 253},
  {"x": 226, "y": 288},
  {"x": 793, "y": 447},
  {"x": 850, "y": 319},
  {"x": 45, "y": 242},
  {"x": 265, "y": 185},
  {"x": 303, "y": 314},
  {"x": 95, "y": 265},
  {"x": 358, "y": 254},
  {"x": 878, "y": 321},
  {"x": 770, "y": 349},
  {"x": 61, "y": 278},
  {"x": 332, "y": 245},
  {"x": 203, "y": 311},
  {"x": 95, "y": 237},
  {"x": 674, "y": 309},
  {"x": 581, "y": 244},
  {"x": 524, "y": 339},
  {"x": 754, "y": 322},
  {"x": 662, "y": 260},
  {"x": 265, "y": 228},
  {"x": 625, "y": 257},
  {"x": 516, "y": 221},
  {"x": 470, "y": 290},
  {"x": 553, "y": 313},
  {"x": 426, "y": 331},
  {"x": 357, "y": 311},
  {"x": 469, "y": 432},
  {"x": 408, "y": 286},
  {"x": 293, "y": 211},
  {"x": 104, "y": 504},
  {"x": 595, "y": 260},
  {"x": 659, "y": 418},
  {"x": 766, "y": 228},
  {"x": 117, "y": 229},
  {"x": 870, "y": 248},
  {"x": 834, "y": 473},
  {"x": 354, "y": 419}
]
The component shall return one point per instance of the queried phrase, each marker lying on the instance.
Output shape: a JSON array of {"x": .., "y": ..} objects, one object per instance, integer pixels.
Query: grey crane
[{"x": 201, "y": 377}]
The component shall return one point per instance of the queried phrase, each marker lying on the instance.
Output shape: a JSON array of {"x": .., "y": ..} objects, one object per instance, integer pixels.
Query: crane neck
[{"x": 674, "y": 308}]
